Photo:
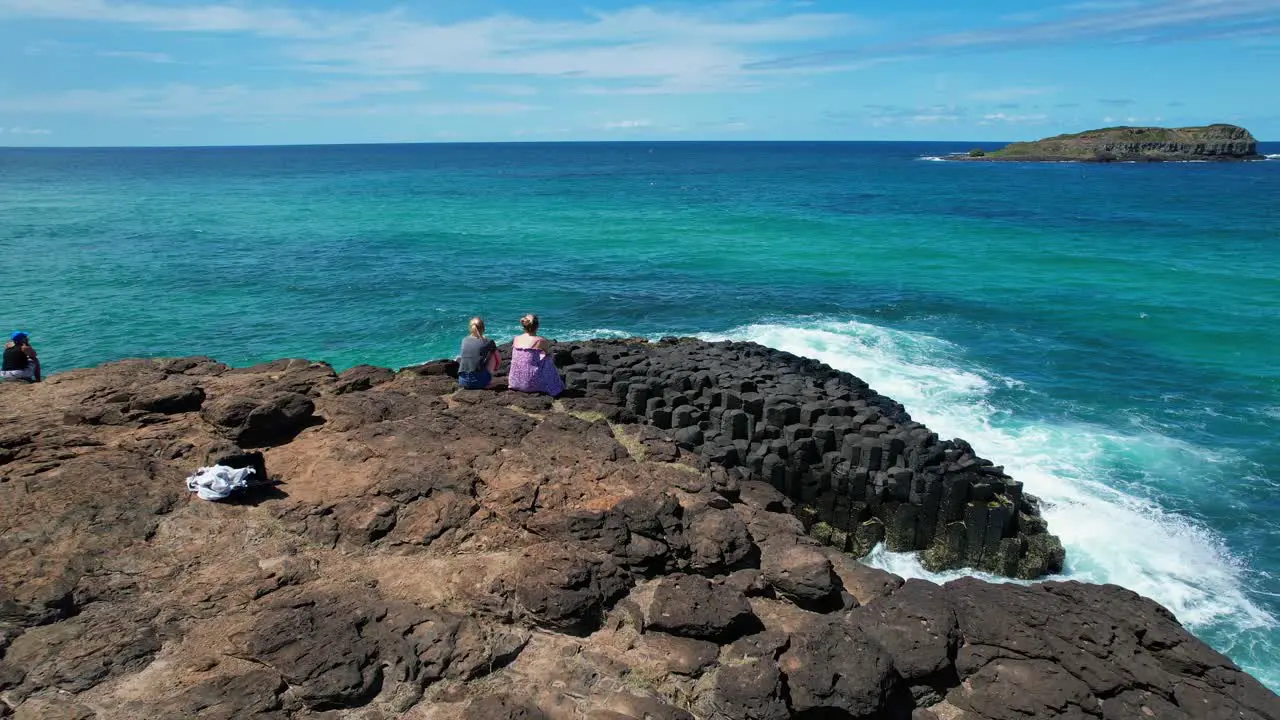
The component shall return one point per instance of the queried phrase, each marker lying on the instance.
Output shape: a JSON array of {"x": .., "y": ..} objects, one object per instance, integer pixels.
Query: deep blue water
[{"x": 1107, "y": 332}]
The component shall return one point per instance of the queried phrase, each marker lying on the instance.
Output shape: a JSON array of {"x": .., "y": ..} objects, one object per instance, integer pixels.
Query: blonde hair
[
  {"x": 529, "y": 323},
  {"x": 477, "y": 327}
]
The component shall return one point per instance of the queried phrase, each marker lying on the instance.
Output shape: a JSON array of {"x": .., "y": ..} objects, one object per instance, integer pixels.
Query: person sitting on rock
[
  {"x": 478, "y": 360},
  {"x": 533, "y": 369},
  {"x": 20, "y": 361}
]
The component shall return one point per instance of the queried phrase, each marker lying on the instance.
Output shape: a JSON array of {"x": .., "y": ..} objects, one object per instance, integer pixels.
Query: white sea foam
[
  {"x": 598, "y": 333},
  {"x": 1110, "y": 536},
  {"x": 1272, "y": 157},
  {"x": 932, "y": 158}
]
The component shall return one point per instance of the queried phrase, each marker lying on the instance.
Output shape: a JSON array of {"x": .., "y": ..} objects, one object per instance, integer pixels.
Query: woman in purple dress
[{"x": 533, "y": 369}]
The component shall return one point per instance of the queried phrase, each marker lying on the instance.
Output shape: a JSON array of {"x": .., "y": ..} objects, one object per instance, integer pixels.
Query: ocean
[{"x": 1106, "y": 332}]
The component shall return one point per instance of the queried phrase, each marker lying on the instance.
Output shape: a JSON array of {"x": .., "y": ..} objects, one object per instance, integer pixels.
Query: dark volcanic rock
[
  {"x": 563, "y": 588},
  {"x": 1079, "y": 645},
  {"x": 800, "y": 572},
  {"x": 502, "y": 707},
  {"x": 917, "y": 628},
  {"x": 851, "y": 463},
  {"x": 253, "y": 422},
  {"x": 717, "y": 539},
  {"x": 320, "y": 648},
  {"x": 692, "y": 606},
  {"x": 683, "y": 656},
  {"x": 422, "y": 552},
  {"x": 834, "y": 667},
  {"x": 168, "y": 398},
  {"x": 361, "y": 378},
  {"x": 750, "y": 686},
  {"x": 80, "y": 653},
  {"x": 253, "y": 694}
]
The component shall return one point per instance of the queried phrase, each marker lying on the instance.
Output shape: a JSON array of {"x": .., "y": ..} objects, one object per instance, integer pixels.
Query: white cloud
[
  {"x": 1028, "y": 119},
  {"x": 200, "y": 18},
  {"x": 239, "y": 102},
  {"x": 631, "y": 51},
  {"x": 887, "y": 115},
  {"x": 510, "y": 90},
  {"x": 627, "y": 124},
  {"x": 182, "y": 100},
  {"x": 1131, "y": 120},
  {"x": 527, "y": 132},
  {"x": 27, "y": 131},
  {"x": 637, "y": 42},
  {"x": 1104, "y": 5},
  {"x": 507, "y": 50},
  {"x": 152, "y": 57},
  {"x": 1010, "y": 93},
  {"x": 47, "y": 48},
  {"x": 677, "y": 86},
  {"x": 931, "y": 118},
  {"x": 1087, "y": 23}
]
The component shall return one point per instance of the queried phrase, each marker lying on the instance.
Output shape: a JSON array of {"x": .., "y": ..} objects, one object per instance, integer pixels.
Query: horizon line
[{"x": 501, "y": 142}]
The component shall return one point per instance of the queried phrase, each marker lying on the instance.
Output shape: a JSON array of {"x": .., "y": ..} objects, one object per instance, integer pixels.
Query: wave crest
[{"x": 1111, "y": 536}]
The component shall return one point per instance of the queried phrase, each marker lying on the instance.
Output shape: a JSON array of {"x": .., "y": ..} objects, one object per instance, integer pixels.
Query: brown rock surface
[{"x": 432, "y": 555}]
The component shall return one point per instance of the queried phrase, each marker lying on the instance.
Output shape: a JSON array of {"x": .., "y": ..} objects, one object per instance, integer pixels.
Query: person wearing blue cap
[{"x": 20, "y": 361}]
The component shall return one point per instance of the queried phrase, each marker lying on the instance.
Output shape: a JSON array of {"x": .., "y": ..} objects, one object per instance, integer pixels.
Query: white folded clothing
[{"x": 218, "y": 482}]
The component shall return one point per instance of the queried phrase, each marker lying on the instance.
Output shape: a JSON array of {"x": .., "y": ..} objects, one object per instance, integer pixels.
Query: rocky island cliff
[
  {"x": 674, "y": 539},
  {"x": 1127, "y": 144}
]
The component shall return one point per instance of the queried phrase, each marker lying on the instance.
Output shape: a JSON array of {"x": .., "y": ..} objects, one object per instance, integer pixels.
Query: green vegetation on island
[{"x": 1123, "y": 144}]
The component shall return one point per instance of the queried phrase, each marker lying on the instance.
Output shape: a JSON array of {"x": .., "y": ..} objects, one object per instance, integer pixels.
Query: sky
[{"x": 248, "y": 72}]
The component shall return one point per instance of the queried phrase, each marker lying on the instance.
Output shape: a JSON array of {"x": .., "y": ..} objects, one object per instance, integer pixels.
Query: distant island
[{"x": 1128, "y": 144}]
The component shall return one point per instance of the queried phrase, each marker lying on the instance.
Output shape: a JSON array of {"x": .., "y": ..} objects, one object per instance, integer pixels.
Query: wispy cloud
[
  {"x": 199, "y": 18},
  {"x": 1002, "y": 118},
  {"x": 888, "y": 115},
  {"x": 151, "y": 57},
  {"x": 27, "y": 131},
  {"x": 723, "y": 83},
  {"x": 631, "y": 51},
  {"x": 509, "y": 89},
  {"x": 638, "y": 42},
  {"x": 1116, "y": 102},
  {"x": 1104, "y": 5},
  {"x": 243, "y": 103},
  {"x": 1010, "y": 93},
  {"x": 627, "y": 124},
  {"x": 1122, "y": 22},
  {"x": 1132, "y": 120}
]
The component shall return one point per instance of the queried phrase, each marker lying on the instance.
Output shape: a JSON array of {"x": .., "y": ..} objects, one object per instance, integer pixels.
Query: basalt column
[{"x": 860, "y": 470}]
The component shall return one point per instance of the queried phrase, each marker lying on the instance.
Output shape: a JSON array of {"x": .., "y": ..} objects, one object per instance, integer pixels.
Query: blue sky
[{"x": 188, "y": 72}]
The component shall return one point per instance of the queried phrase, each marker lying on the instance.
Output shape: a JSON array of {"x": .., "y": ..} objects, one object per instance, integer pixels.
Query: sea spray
[{"x": 1111, "y": 536}]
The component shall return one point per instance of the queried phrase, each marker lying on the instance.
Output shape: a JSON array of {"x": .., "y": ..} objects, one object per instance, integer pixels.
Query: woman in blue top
[{"x": 479, "y": 358}]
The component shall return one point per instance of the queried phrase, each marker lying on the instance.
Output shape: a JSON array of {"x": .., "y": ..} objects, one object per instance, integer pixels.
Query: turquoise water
[{"x": 1106, "y": 332}]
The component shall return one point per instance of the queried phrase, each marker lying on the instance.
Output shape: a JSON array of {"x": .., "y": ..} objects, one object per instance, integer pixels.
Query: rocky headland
[
  {"x": 1132, "y": 144},
  {"x": 674, "y": 539}
]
